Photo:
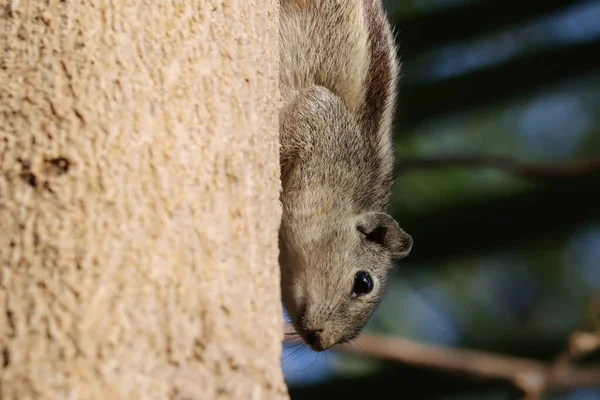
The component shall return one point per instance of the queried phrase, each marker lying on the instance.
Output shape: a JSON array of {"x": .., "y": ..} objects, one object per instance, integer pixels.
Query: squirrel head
[{"x": 334, "y": 275}]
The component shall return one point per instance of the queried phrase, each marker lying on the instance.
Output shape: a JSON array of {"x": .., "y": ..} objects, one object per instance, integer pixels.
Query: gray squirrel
[{"x": 338, "y": 75}]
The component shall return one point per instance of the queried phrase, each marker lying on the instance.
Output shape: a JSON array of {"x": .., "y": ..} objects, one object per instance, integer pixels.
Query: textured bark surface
[{"x": 139, "y": 200}]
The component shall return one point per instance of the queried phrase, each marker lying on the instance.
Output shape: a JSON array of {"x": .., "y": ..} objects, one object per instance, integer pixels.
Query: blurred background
[{"x": 506, "y": 259}]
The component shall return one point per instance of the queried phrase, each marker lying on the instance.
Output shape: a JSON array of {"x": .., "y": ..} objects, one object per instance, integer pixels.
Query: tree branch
[
  {"x": 583, "y": 343},
  {"x": 423, "y": 31},
  {"x": 488, "y": 86},
  {"x": 531, "y": 377},
  {"x": 533, "y": 171}
]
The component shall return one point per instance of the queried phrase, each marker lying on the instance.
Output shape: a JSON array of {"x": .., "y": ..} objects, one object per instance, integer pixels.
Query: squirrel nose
[{"x": 312, "y": 336}]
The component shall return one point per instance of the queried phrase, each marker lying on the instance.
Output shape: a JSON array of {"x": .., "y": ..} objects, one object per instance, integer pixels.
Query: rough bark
[{"x": 139, "y": 200}]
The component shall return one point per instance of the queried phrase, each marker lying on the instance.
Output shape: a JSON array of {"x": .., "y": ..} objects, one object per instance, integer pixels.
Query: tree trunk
[{"x": 139, "y": 184}]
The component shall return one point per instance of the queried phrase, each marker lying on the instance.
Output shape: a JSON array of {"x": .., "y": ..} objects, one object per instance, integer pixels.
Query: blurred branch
[
  {"x": 450, "y": 24},
  {"x": 490, "y": 222},
  {"x": 584, "y": 342},
  {"x": 422, "y": 102},
  {"x": 531, "y": 377},
  {"x": 534, "y": 171}
]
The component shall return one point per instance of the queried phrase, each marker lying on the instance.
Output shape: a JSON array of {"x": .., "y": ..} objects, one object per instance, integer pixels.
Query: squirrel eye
[{"x": 363, "y": 284}]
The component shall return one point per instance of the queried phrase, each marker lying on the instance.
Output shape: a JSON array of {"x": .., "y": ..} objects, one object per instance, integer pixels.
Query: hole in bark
[
  {"x": 10, "y": 319},
  {"x": 30, "y": 178},
  {"x": 5, "y": 357},
  {"x": 59, "y": 165}
]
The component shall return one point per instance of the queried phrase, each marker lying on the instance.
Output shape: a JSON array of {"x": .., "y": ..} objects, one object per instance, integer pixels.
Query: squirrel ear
[{"x": 382, "y": 229}]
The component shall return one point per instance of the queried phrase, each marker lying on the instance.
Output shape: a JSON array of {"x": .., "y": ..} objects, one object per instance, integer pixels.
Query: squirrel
[{"x": 337, "y": 243}]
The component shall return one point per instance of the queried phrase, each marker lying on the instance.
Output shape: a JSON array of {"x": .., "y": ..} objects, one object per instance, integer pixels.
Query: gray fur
[{"x": 338, "y": 72}]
